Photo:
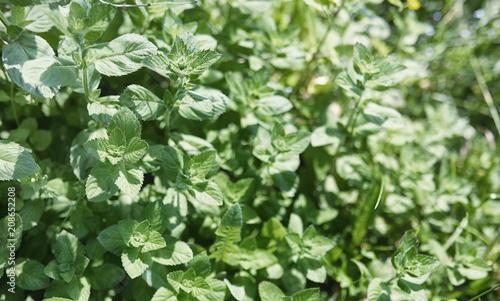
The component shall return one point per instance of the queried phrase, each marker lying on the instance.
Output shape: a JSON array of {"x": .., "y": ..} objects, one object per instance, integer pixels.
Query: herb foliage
[{"x": 251, "y": 150}]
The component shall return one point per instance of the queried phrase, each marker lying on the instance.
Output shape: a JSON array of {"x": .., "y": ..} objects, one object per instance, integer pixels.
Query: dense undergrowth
[{"x": 250, "y": 150}]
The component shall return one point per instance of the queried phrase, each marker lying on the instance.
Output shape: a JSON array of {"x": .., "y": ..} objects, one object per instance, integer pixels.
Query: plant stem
[
  {"x": 16, "y": 118},
  {"x": 167, "y": 126},
  {"x": 484, "y": 293},
  {"x": 484, "y": 90},
  {"x": 86, "y": 82},
  {"x": 4, "y": 20}
]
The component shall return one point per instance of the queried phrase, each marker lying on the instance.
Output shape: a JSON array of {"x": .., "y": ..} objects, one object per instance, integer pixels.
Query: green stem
[
  {"x": 12, "y": 96},
  {"x": 484, "y": 293},
  {"x": 484, "y": 90},
  {"x": 4, "y": 20},
  {"x": 167, "y": 126},
  {"x": 86, "y": 82}
]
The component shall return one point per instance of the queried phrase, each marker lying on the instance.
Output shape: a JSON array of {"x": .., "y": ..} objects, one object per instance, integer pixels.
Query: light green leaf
[
  {"x": 98, "y": 148},
  {"x": 297, "y": 142},
  {"x": 143, "y": 102},
  {"x": 270, "y": 292},
  {"x": 129, "y": 180},
  {"x": 312, "y": 268},
  {"x": 50, "y": 72},
  {"x": 202, "y": 104},
  {"x": 154, "y": 242},
  {"x": 317, "y": 244},
  {"x": 200, "y": 264},
  {"x": 122, "y": 55},
  {"x": 100, "y": 184},
  {"x": 200, "y": 62},
  {"x": 160, "y": 64},
  {"x": 176, "y": 252},
  {"x": 133, "y": 263},
  {"x": 136, "y": 149},
  {"x": 79, "y": 289},
  {"x": 206, "y": 192},
  {"x": 201, "y": 164},
  {"x": 30, "y": 275},
  {"x": 228, "y": 233},
  {"x": 17, "y": 53},
  {"x": 383, "y": 116},
  {"x": 377, "y": 291},
  {"x": 15, "y": 161},
  {"x": 126, "y": 121},
  {"x": 325, "y": 136},
  {"x": 273, "y": 105},
  {"x": 80, "y": 159},
  {"x": 164, "y": 294},
  {"x": 311, "y": 294}
]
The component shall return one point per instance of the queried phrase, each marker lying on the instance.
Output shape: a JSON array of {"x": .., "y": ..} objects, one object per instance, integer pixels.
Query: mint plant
[{"x": 249, "y": 150}]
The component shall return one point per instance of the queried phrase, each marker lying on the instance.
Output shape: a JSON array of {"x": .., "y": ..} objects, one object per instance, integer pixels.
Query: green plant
[{"x": 249, "y": 150}]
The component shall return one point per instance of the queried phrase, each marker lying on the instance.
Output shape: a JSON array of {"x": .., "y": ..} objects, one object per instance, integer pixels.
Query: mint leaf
[
  {"x": 112, "y": 239},
  {"x": 273, "y": 105},
  {"x": 15, "y": 161},
  {"x": 121, "y": 56},
  {"x": 143, "y": 102},
  {"x": 136, "y": 149},
  {"x": 206, "y": 192},
  {"x": 98, "y": 148},
  {"x": 200, "y": 62},
  {"x": 129, "y": 180},
  {"x": 175, "y": 252},
  {"x": 100, "y": 184},
  {"x": 126, "y": 121},
  {"x": 228, "y": 233},
  {"x": 200, "y": 165},
  {"x": 270, "y": 292},
  {"x": 134, "y": 262},
  {"x": 31, "y": 275},
  {"x": 16, "y": 53}
]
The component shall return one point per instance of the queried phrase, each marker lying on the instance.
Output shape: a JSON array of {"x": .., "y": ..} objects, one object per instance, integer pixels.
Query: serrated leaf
[
  {"x": 383, "y": 116},
  {"x": 98, "y": 148},
  {"x": 17, "y": 53},
  {"x": 49, "y": 72},
  {"x": 175, "y": 252},
  {"x": 311, "y": 294},
  {"x": 129, "y": 180},
  {"x": 197, "y": 106},
  {"x": 105, "y": 276},
  {"x": 122, "y": 55},
  {"x": 200, "y": 264},
  {"x": 270, "y": 292},
  {"x": 79, "y": 289},
  {"x": 206, "y": 192},
  {"x": 273, "y": 105},
  {"x": 201, "y": 164},
  {"x": 136, "y": 149},
  {"x": 15, "y": 161},
  {"x": 173, "y": 161},
  {"x": 228, "y": 233},
  {"x": 31, "y": 276},
  {"x": 200, "y": 62},
  {"x": 100, "y": 184},
  {"x": 126, "y": 121},
  {"x": 143, "y": 102},
  {"x": 133, "y": 262},
  {"x": 312, "y": 268},
  {"x": 112, "y": 239}
]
